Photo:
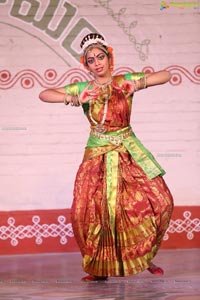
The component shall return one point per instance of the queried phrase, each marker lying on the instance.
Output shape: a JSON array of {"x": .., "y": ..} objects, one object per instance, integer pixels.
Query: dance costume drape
[{"x": 122, "y": 206}]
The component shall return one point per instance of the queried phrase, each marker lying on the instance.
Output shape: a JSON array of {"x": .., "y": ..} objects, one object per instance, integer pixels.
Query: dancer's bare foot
[
  {"x": 94, "y": 278},
  {"x": 155, "y": 269}
]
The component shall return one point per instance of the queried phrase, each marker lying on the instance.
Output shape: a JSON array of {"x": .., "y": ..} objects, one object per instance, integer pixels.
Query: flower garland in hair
[
  {"x": 111, "y": 58},
  {"x": 82, "y": 60}
]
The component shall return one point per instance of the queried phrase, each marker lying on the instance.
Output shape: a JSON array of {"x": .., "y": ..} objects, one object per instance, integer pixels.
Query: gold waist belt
[{"x": 114, "y": 139}]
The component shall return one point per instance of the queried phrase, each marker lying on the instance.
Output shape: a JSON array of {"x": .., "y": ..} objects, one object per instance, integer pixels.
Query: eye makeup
[{"x": 99, "y": 57}]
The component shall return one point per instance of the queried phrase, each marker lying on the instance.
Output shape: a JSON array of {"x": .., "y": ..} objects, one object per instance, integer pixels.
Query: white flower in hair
[{"x": 94, "y": 41}]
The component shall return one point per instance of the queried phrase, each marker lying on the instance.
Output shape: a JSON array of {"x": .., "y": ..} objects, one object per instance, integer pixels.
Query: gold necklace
[
  {"x": 103, "y": 85},
  {"x": 100, "y": 127}
]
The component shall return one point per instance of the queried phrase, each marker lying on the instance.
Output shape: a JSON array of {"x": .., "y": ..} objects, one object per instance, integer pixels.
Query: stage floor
[{"x": 57, "y": 276}]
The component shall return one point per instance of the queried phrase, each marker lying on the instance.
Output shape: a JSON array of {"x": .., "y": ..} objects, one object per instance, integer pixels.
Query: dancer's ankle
[{"x": 155, "y": 270}]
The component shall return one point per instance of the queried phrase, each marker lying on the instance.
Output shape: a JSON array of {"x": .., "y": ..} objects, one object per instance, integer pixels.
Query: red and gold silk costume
[{"x": 122, "y": 206}]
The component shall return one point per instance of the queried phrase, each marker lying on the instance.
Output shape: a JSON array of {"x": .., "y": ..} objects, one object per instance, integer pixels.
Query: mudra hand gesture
[
  {"x": 88, "y": 94},
  {"x": 127, "y": 88}
]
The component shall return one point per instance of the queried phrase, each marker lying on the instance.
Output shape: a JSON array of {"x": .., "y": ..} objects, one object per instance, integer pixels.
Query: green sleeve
[
  {"x": 76, "y": 88},
  {"x": 134, "y": 76}
]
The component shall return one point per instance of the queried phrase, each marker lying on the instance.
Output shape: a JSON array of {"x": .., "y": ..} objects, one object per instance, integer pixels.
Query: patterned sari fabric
[{"x": 122, "y": 206}]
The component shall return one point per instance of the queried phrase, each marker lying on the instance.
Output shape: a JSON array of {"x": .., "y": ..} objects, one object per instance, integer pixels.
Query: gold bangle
[
  {"x": 140, "y": 83},
  {"x": 65, "y": 99},
  {"x": 136, "y": 85},
  {"x": 143, "y": 83}
]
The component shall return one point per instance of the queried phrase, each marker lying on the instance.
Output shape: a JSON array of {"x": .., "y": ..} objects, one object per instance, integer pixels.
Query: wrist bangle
[{"x": 65, "y": 99}]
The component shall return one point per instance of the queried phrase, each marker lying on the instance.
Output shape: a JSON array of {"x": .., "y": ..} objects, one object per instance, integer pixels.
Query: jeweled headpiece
[{"x": 93, "y": 39}]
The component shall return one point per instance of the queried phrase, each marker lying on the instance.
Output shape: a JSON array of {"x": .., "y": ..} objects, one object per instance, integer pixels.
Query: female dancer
[{"x": 122, "y": 206}]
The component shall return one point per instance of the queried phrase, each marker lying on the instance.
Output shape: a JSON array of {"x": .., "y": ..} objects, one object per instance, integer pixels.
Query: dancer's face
[{"x": 98, "y": 62}]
